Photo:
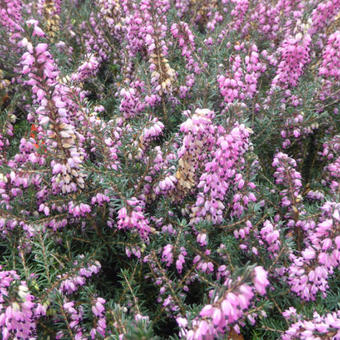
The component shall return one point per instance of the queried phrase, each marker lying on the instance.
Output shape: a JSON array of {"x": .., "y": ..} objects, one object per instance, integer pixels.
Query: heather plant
[{"x": 169, "y": 169}]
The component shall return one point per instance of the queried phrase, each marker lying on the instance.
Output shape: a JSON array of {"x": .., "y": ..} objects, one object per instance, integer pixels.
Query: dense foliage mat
[{"x": 169, "y": 169}]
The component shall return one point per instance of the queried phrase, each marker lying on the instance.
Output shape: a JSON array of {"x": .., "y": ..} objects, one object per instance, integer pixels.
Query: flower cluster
[
  {"x": 241, "y": 81},
  {"x": 18, "y": 309},
  {"x": 186, "y": 41},
  {"x": 270, "y": 236},
  {"x": 309, "y": 273},
  {"x": 288, "y": 177},
  {"x": 74, "y": 318},
  {"x": 226, "y": 310},
  {"x": 330, "y": 59},
  {"x": 98, "y": 309},
  {"x": 88, "y": 68},
  {"x": 71, "y": 283},
  {"x": 198, "y": 141},
  {"x": 219, "y": 173},
  {"x": 323, "y": 14},
  {"x": 294, "y": 56},
  {"x": 131, "y": 103},
  {"x": 320, "y": 326},
  {"x": 151, "y": 132},
  {"x": 51, "y": 114},
  {"x": 133, "y": 218}
]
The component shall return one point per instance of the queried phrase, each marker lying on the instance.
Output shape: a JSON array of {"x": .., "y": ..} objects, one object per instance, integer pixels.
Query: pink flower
[
  {"x": 40, "y": 48},
  {"x": 260, "y": 280},
  {"x": 308, "y": 254},
  {"x": 207, "y": 311},
  {"x": 38, "y": 31}
]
